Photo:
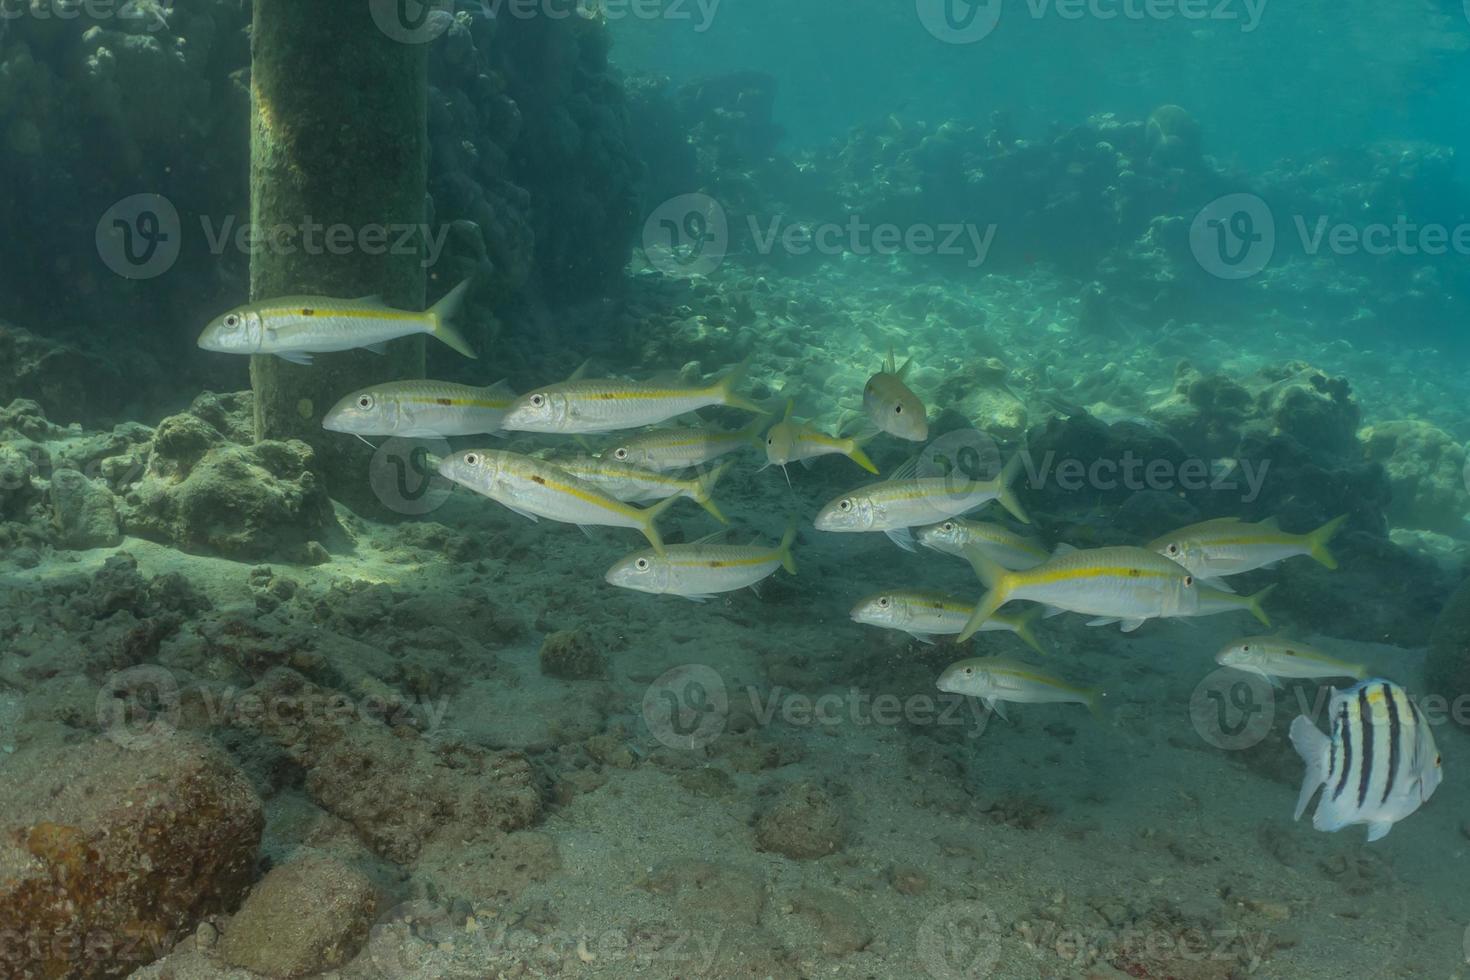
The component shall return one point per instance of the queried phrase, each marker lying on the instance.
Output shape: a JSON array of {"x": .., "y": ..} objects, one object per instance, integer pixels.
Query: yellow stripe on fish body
[
  {"x": 1005, "y": 547},
  {"x": 894, "y": 505},
  {"x": 1225, "y": 546},
  {"x": 698, "y": 571},
  {"x": 924, "y": 614},
  {"x": 1275, "y": 657},
  {"x": 588, "y": 406},
  {"x": 535, "y": 488},
  {"x": 421, "y": 408},
  {"x": 793, "y": 442},
  {"x": 1124, "y": 583},
  {"x": 681, "y": 448},
  {"x": 995, "y": 680},
  {"x": 633, "y": 483}
]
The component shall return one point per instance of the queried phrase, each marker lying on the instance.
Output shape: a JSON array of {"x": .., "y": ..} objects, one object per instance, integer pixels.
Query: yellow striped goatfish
[
  {"x": 994, "y": 680},
  {"x": 790, "y": 441},
  {"x": 1117, "y": 584},
  {"x": 422, "y": 409},
  {"x": 607, "y": 405},
  {"x": 1229, "y": 546},
  {"x": 700, "y": 570},
  {"x": 925, "y": 615},
  {"x": 678, "y": 448},
  {"x": 892, "y": 406},
  {"x": 1378, "y": 765},
  {"x": 534, "y": 489},
  {"x": 295, "y": 327},
  {"x": 634, "y": 484},
  {"x": 1276, "y": 657},
  {"x": 894, "y": 506},
  {"x": 1003, "y": 546}
]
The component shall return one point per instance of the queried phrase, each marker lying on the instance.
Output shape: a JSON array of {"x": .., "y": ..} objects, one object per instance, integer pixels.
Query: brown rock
[
  {"x": 802, "y": 823},
  {"x": 109, "y": 855},
  {"x": 306, "y": 916},
  {"x": 572, "y": 655}
]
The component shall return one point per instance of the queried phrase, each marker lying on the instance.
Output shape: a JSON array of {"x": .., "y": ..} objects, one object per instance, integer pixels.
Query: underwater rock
[
  {"x": 1205, "y": 412},
  {"x": 84, "y": 512},
  {"x": 108, "y": 855},
  {"x": 69, "y": 384},
  {"x": 203, "y": 493},
  {"x": 572, "y": 655},
  {"x": 396, "y": 789},
  {"x": 1447, "y": 667},
  {"x": 803, "y": 822},
  {"x": 306, "y": 916},
  {"x": 1173, "y": 138},
  {"x": 1317, "y": 410},
  {"x": 841, "y": 926},
  {"x": 1426, "y": 469},
  {"x": 709, "y": 893}
]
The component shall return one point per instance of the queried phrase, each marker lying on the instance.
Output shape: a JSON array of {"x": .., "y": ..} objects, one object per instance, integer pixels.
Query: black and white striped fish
[{"x": 1378, "y": 765}]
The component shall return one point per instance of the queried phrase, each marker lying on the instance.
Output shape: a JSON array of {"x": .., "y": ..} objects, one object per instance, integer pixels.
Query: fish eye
[
  {"x": 969, "y": 671},
  {"x": 538, "y": 400},
  {"x": 844, "y": 505},
  {"x": 947, "y": 526},
  {"x": 883, "y": 601},
  {"x": 770, "y": 440},
  {"x": 1188, "y": 581},
  {"x": 1173, "y": 549},
  {"x": 641, "y": 564},
  {"x": 366, "y": 401},
  {"x": 1437, "y": 759},
  {"x": 1246, "y": 648},
  {"x": 620, "y": 454},
  {"x": 473, "y": 459},
  {"x": 898, "y": 410},
  {"x": 233, "y": 320}
]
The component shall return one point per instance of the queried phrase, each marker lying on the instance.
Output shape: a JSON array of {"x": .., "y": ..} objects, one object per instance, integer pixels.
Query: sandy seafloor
[{"x": 1049, "y": 845}]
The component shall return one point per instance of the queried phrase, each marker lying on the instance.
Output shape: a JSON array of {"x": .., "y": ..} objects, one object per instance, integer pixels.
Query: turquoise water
[{"x": 1124, "y": 337}]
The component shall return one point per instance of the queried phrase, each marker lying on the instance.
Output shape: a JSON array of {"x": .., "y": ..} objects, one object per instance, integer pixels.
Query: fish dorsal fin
[
  {"x": 712, "y": 536},
  {"x": 501, "y": 387},
  {"x": 1273, "y": 522},
  {"x": 790, "y": 408},
  {"x": 906, "y": 470},
  {"x": 373, "y": 300},
  {"x": 1063, "y": 549},
  {"x": 581, "y": 371},
  {"x": 903, "y": 372}
]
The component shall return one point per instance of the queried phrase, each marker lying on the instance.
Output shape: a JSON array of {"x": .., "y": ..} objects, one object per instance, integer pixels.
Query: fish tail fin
[
  {"x": 442, "y": 316},
  {"x": 984, "y": 609},
  {"x": 1006, "y": 495},
  {"x": 754, "y": 433},
  {"x": 705, "y": 488},
  {"x": 1312, "y": 746},
  {"x": 901, "y": 373},
  {"x": 1253, "y": 603},
  {"x": 650, "y": 529},
  {"x": 725, "y": 387},
  {"x": 1319, "y": 539},
  {"x": 987, "y": 569},
  {"x": 1095, "y": 703},
  {"x": 784, "y": 548},
  {"x": 1025, "y": 628},
  {"x": 856, "y": 454}
]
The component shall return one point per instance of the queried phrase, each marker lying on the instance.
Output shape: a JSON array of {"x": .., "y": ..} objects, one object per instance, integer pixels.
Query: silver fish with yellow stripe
[
  {"x": 296, "y": 327},
  {"x": 702, "y": 570},
  {"x": 894, "y": 506},
  {"x": 924, "y": 615},
  {"x": 1002, "y": 545},
  {"x": 1378, "y": 764},
  {"x": 680, "y": 447},
  {"x": 637, "y": 485},
  {"x": 789, "y": 441},
  {"x": 1117, "y": 584},
  {"x": 892, "y": 406},
  {"x": 607, "y": 405},
  {"x": 1229, "y": 546},
  {"x": 534, "y": 488},
  {"x": 421, "y": 409},
  {"x": 995, "y": 680},
  {"x": 1277, "y": 657}
]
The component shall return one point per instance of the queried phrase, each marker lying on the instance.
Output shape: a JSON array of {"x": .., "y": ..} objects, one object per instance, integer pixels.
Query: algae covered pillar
[{"x": 338, "y": 171}]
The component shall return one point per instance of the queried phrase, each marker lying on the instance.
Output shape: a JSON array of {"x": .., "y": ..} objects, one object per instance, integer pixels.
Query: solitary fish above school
[
  {"x": 1276, "y": 657},
  {"x": 635, "y": 484},
  {"x": 1003, "y": 546},
  {"x": 892, "y": 406},
  {"x": 422, "y": 409},
  {"x": 789, "y": 441},
  {"x": 1117, "y": 584},
  {"x": 925, "y": 615},
  {"x": 700, "y": 571},
  {"x": 894, "y": 506},
  {"x": 994, "y": 680},
  {"x": 1378, "y": 764},
  {"x": 1229, "y": 546},
  {"x": 534, "y": 489},
  {"x": 607, "y": 405},
  {"x": 296, "y": 327},
  {"x": 678, "y": 448}
]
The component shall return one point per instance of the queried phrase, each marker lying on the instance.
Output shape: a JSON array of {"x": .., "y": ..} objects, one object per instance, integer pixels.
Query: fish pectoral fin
[
  {"x": 903, "y": 537},
  {"x": 699, "y": 596},
  {"x": 370, "y": 300},
  {"x": 1215, "y": 583},
  {"x": 925, "y": 638},
  {"x": 996, "y": 706},
  {"x": 1129, "y": 625},
  {"x": 1102, "y": 621},
  {"x": 1378, "y": 829},
  {"x": 1313, "y": 747},
  {"x": 524, "y": 513},
  {"x": 294, "y": 356},
  {"x": 381, "y": 348}
]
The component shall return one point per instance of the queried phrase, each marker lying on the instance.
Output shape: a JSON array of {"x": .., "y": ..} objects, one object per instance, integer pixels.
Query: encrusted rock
[
  {"x": 306, "y": 916},
  {"x": 84, "y": 512},
  {"x": 1426, "y": 469},
  {"x": 572, "y": 655},
  {"x": 803, "y": 822}
]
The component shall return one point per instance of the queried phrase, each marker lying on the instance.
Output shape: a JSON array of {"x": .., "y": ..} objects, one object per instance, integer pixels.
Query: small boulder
[
  {"x": 308, "y": 915},
  {"x": 83, "y": 511},
  {"x": 572, "y": 655},
  {"x": 803, "y": 822}
]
